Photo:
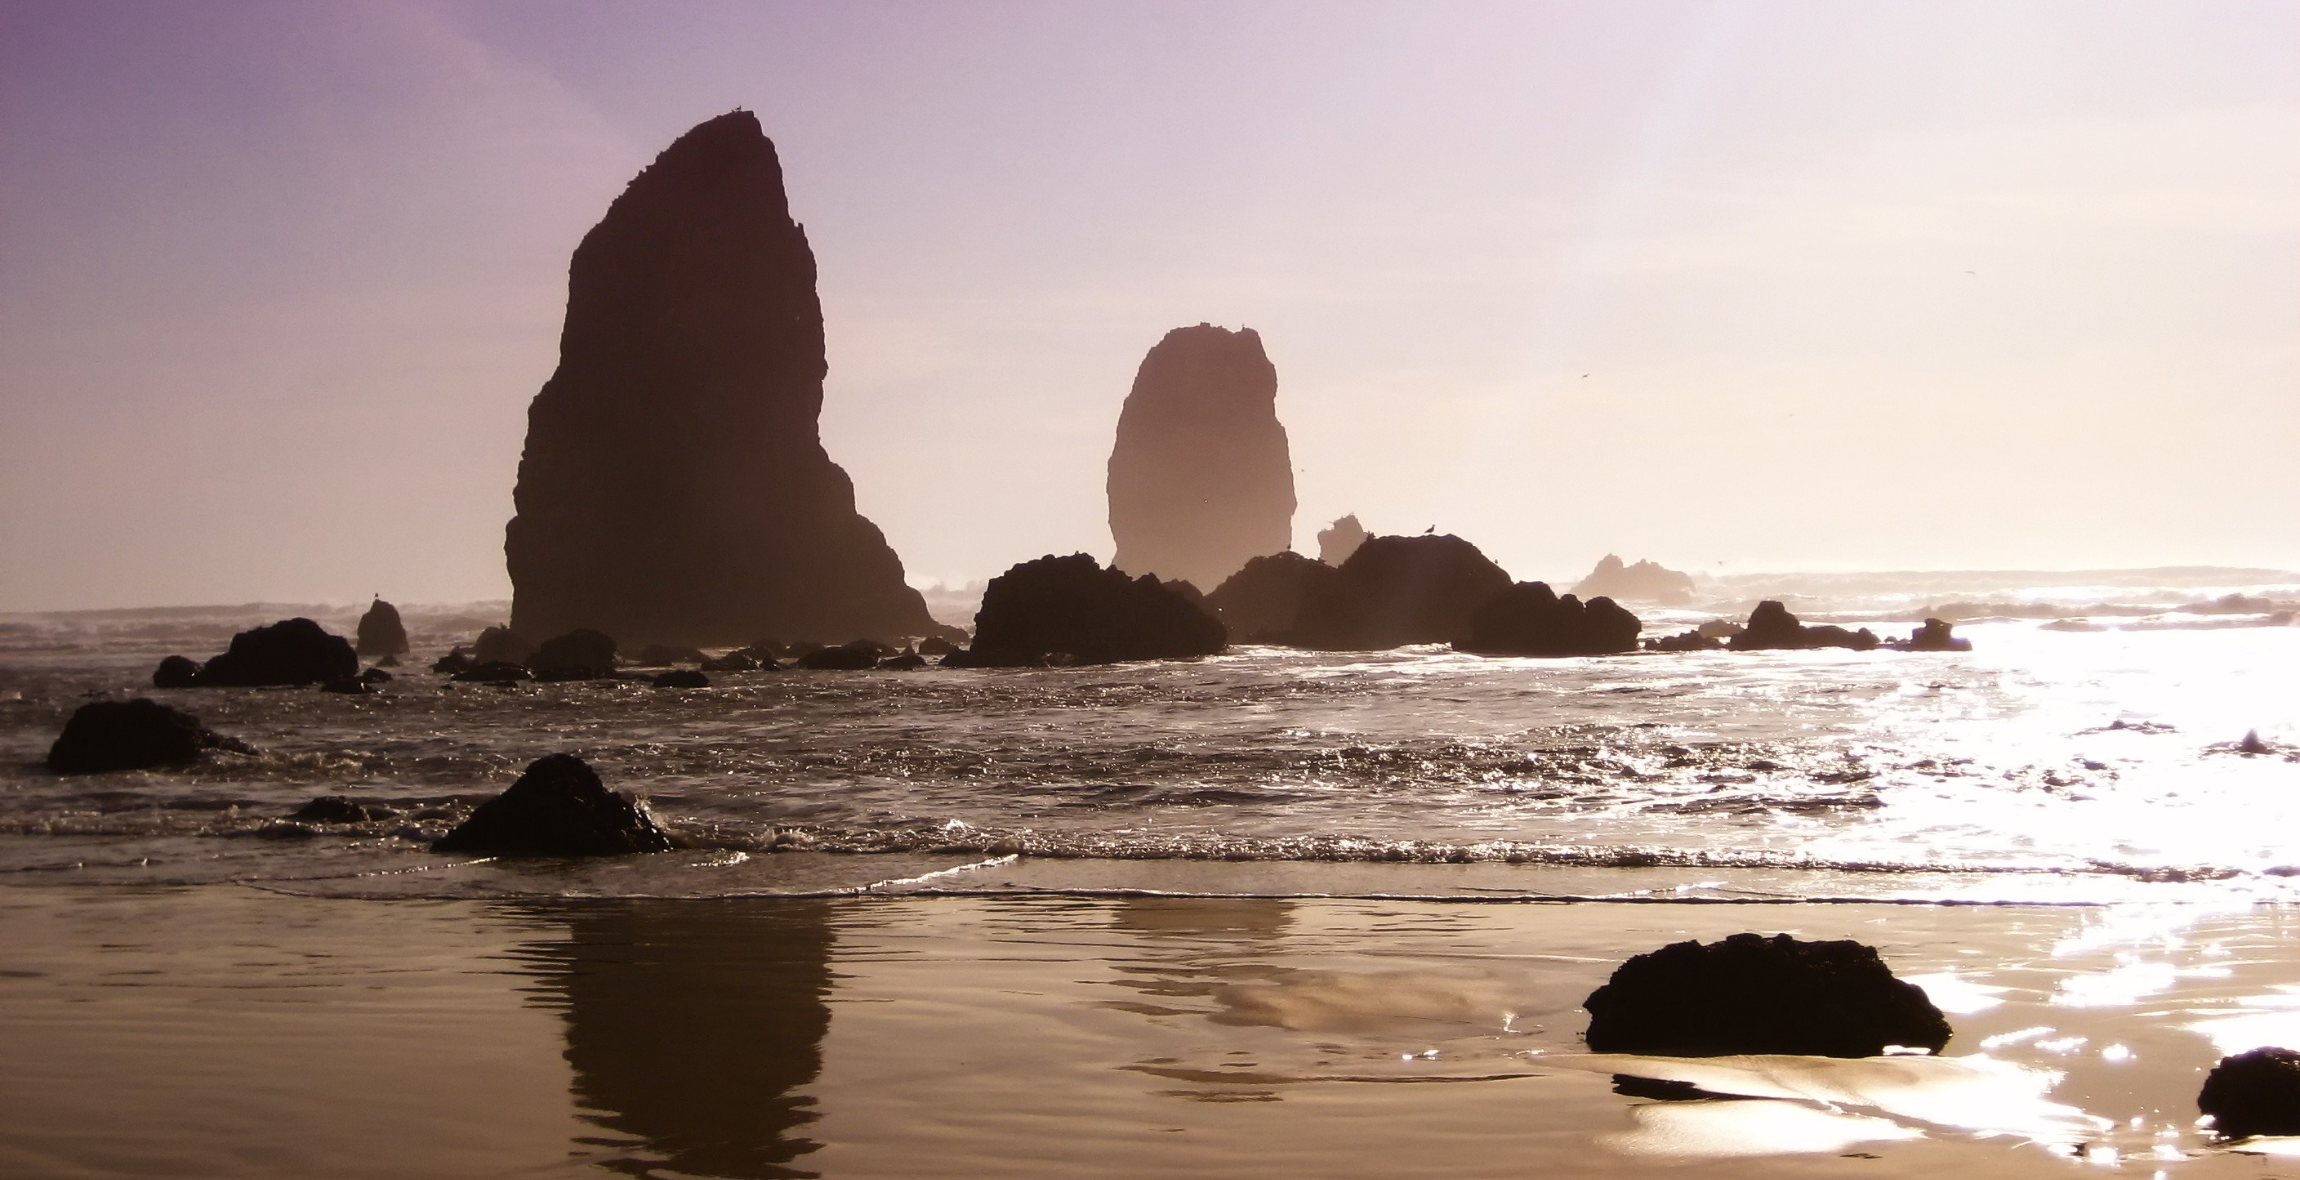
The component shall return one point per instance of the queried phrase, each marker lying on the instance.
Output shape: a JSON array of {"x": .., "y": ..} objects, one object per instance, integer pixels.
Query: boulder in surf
[
  {"x": 2255, "y": 1093},
  {"x": 291, "y": 651},
  {"x": 1262, "y": 602},
  {"x": 133, "y": 735},
  {"x": 176, "y": 672},
  {"x": 1072, "y": 607},
  {"x": 380, "y": 631},
  {"x": 1529, "y": 619},
  {"x": 1751, "y": 994},
  {"x": 1772, "y": 628},
  {"x": 1399, "y": 590},
  {"x": 581, "y": 654},
  {"x": 558, "y": 808}
]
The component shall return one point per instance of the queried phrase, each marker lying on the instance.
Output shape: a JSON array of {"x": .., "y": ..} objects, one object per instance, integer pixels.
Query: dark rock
[
  {"x": 674, "y": 485},
  {"x": 335, "y": 809},
  {"x": 291, "y": 651},
  {"x": 847, "y": 657},
  {"x": 1643, "y": 582},
  {"x": 1692, "y": 640},
  {"x": 558, "y": 808},
  {"x": 1200, "y": 479},
  {"x": 131, "y": 735},
  {"x": 1528, "y": 619},
  {"x": 1933, "y": 636},
  {"x": 376, "y": 676},
  {"x": 733, "y": 661},
  {"x": 681, "y": 678},
  {"x": 501, "y": 645},
  {"x": 380, "y": 631},
  {"x": 456, "y": 660},
  {"x": 1771, "y": 627},
  {"x": 1073, "y": 606},
  {"x": 1399, "y": 590},
  {"x": 2253, "y": 745},
  {"x": 768, "y": 650},
  {"x": 2255, "y": 1093},
  {"x": 1337, "y": 541},
  {"x": 1752, "y": 994},
  {"x": 581, "y": 654},
  {"x": 496, "y": 672},
  {"x": 1262, "y": 602},
  {"x": 659, "y": 654},
  {"x": 936, "y": 645},
  {"x": 176, "y": 672},
  {"x": 904, "y": 662},
  {"x": 349, "y": 686}
]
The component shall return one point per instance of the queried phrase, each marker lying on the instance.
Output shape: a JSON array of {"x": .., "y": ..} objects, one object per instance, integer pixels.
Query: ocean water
[{"x": 2073, "y": 760}]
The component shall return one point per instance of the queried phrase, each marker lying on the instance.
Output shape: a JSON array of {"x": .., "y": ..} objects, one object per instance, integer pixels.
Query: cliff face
[
  {"x": 674, "y": 487},
  {"x": 1201, "y": 480}
]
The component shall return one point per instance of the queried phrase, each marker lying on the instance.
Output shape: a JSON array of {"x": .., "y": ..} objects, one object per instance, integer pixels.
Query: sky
[{"x": 1729, "y": 285}]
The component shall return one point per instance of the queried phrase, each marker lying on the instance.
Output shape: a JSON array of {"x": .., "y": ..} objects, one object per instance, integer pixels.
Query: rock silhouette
[
  {"x": 1071, "y": 607},
  {"x": 557, "y": 808},
  {"x": 132, "y": 735},
  {"x": 1529, "y": 619},
  {"x": 1772, "y": 627},
  {"x": 380, "y": 631},
  {"x": 674, "y": 487},
  {"x": 1643, "y": 582},
  {"x": 1399, "y": 590},
  {"x": 1262, "y": 602},
  {"x": 176, "y": 672},
  {"x": 846, "y": 657},
  {"x": 2255, "y": 1093},
  {"x": 501, "y": 645},
  {"x": 1201, "y": 480},
  {"x": 291, "y": 651},
  {"x": 1340, "y": 539},
  {"x": 1935, "y": 635},
  {"x": 581, "y": 654},
  {"x": 1752, "y": 994}
]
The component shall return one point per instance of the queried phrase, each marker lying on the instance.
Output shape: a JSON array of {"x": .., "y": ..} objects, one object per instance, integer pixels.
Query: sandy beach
[{"x": 230, "y": 1031}]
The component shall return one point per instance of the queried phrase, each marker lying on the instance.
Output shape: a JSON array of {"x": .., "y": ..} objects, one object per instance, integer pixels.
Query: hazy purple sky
[{"x": 1854, "y": 285}]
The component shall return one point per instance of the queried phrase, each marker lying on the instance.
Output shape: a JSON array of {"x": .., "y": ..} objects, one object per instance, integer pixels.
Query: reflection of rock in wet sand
[{"x": 692, "y": 1026}]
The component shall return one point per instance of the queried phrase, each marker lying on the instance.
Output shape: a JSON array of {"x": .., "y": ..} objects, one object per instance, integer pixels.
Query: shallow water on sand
[{"x": 224, "y": 1031}]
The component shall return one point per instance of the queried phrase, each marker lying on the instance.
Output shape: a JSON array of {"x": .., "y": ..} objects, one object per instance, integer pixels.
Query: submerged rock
[
  {"x": 581, "y": 654},
  {"x": 1933, "y": 636},
  {"x": 1752, "y": 994},
  {"x": 1692, "y": 640},
  {"x": 681, "y": 678},
  {"x": 133, "y": 735},
  {"x": 380, "y": 631},
  {"x": 501, "y": 645},
  {"x": 847, "y": 657},
  {"x": 1771, "y": 627},
  {"x": 494, "y": 672},
  {"x": 1642, "y": 582},
  {"x": 733, "y": 661},
  {"x": 456, "y": 660},
  {"x": 176, "y": 672},
  {"x": 1399, "y": 590},
  {"x": 1262, "y": 603},
  {"x": 558, "y": 808},
  {"x": 1340, "y": 539},
  {"x": 1200, "y": 479},
  {"x": 1072, "y": 607},
  {"x": 674, "y": 486},
  {"x": 2255, "y": 1093},
  {"x": 339, "y": 809},
  {"x": 291, "y": 651},
  {"x": 904, "y": 662},
  {"x": 1529, "y": 619}
]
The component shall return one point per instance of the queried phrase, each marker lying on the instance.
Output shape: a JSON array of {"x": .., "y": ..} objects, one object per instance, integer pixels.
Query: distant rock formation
[
  {"x": 1399, "y": 590},
  {"x": 674, "y": 487},
  {"x": 1935, "y": 635},
  {"x": 1643, "y": 582},
  {"x": 133, "y": 735},
  {"x": 291, "y": 651},
  {"x": 1073, "y": 608},
  {"x": 1772, "y": 627},
  {"x": 1262, "y": 603},
  {"x": 1752, "y": 994},
  {"x": 1200, "y": 479},
  {"x": 1529, "y": 619},
  {"x": 558, "y": 808},
  {"x": 1340, "y": 539},
  {"x": 380, "y": 631}
]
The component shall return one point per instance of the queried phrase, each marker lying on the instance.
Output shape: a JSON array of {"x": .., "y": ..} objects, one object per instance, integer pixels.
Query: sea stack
[
  {"x": 1201, "y": 480},
  {"x": 674, "y": 487}
]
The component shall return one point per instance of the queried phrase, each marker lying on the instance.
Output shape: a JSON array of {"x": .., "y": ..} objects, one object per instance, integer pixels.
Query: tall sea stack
[
  {"x": 1201, "y": 481},
  {"x": 674, "y": 488}
]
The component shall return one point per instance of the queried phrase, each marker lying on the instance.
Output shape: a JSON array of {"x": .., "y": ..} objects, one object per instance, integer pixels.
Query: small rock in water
[
  {"x": 558, "y": 808},
  {"x": 847, "y": 657},
  {"x": 132, "y": 735},
  {"x": 1772, "y": 627},
  {"x": 332, "y": 809},
  {"x": 936, "y": 645},
  {"x": 1752, "y": 994},
  {"x": 733, "y": 661},
  {"x": 2255, "y": 1093},
  {"x": 349, "y": 686},
  {"x": 1933, "y": 636},
  {"x": 291, "y": 651},
  {"x": 904, "y": 662},
  {"x": 456, "y": 660},
  {"x": 581, "y": 654},
  {"x": 376, "y": 675},
  {"x": 380, "y": 631},
  {"x": 176, "y": 672},
  {"x": 681, "y": 678},
  {"x": 500, "y": 645},
  {"x": 2252, "y": 744},
  {"x": 494, "y": 673}
]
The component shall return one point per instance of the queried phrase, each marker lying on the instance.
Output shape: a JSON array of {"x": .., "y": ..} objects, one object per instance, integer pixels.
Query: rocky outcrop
[
  {"x": 1935, "y": 635},
  {"x": 558, "y": 808},
  {"x": 1643, "y": 582},
  {"x": 1752, "y": 994},
  {"x": 2255, "y": 1093},
  {"x": 581, "y": 654},
  {"x": 1771, "y": 628},
  {"x": 681, "y": 678},
  {"x": 1340, "y": 539},
  {"x": 291, "y": 651},
  {"x": 380, "y": 631},
  {"x": 133, "y": 735},
  {"x": 846, "y": 657},
  {"x": 176, "y": 672},
  {"x": 1263, "y": 602},
  {"x": 1071, "y": 607},
  {"x": 1200, "y": 480},
  {"x": 674, "y": 487},
  {"x": 501, "y": 645},
  {"x": 1399, "y": 590},
  {"x": 1529, "y": 619}
]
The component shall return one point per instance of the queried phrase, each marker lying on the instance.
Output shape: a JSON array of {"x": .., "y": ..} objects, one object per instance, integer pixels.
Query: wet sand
[{"x": 228, "y": 1031}]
